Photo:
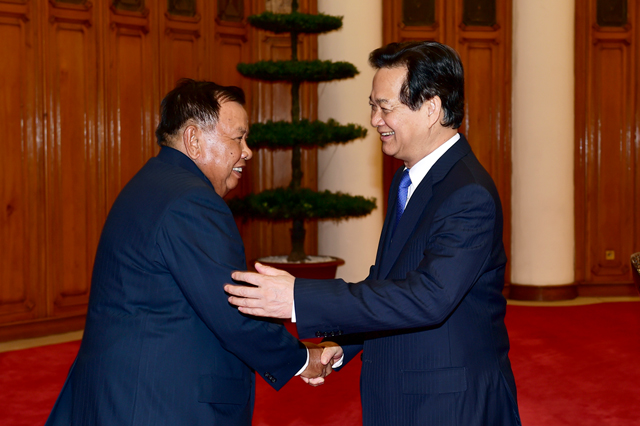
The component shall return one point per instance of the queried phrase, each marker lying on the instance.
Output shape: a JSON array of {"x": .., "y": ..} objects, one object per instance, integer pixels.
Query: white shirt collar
[{"x": 422, "y": 167}]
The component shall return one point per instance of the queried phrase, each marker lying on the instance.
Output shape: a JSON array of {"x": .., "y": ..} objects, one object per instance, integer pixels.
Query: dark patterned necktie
[{"x": 403, "y": 189}]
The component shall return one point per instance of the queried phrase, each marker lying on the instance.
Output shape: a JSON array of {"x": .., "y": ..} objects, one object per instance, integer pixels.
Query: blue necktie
[{"x": 402, "y": 194}]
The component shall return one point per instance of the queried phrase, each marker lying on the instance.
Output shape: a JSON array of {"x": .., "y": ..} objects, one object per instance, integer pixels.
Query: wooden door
[
  {"x": 480, "y": 30},
  {"x": 74, "y": 207},
  {"x": 607, "y": 175},
  {"x": 22, "y": 229}
]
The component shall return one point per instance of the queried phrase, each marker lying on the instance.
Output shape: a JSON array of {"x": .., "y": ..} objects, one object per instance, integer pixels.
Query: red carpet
[
  {"x": 577, "y": 365},
  {"x": 30, "y": 380}
]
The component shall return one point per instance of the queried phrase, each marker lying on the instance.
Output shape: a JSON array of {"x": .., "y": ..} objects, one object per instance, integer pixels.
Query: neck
[{"x": 435, "y": 140}]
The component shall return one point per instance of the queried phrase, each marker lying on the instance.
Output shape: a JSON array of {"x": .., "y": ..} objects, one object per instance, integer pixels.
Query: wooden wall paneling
[
  {"x": 486, "y": 55},
  {"x": 181, "y": 43},
  {"x": 229, "y": 45},
  {"x": 582, "y": 55},
  {"x": 635, "y": 147},
  {"x": 132, "y": 94},
  {"x": 396, "y": 30},
  {"x": 606, "y": 146},
  {"x": 82, "y": 86},
  {"x": 74, "y": 192},
  {"x": 21, "y": 224},
  {"x": 230, "y": 48},
  {"x": 271, "y": 169}
]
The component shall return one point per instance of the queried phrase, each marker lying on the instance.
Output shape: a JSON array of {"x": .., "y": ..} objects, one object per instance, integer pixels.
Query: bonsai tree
[{"x": 295, "y": 203}]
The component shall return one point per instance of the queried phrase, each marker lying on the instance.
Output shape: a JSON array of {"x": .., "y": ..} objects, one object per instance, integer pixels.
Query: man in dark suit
[
  {"x": 429, "y": 318},
  {"x": 161, "y": 345}
]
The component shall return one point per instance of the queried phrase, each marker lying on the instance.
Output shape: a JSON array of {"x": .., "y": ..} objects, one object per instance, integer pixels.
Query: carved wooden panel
[
  {"x": 402, "y": 22},
  {"x": 182, "y": 7},
  {"x": 128, "y": 5},
  {"x": 485, "y": 51},
  {"x": 486, "y": 55},
  {"x": 182, "y": 54},
  {"x": 611, "y": 13},
  {"x": 20, "y": 173},
  {"x": 418, "y": 13},
  {"x": 131, "y": 102},
  {"x": 231, "y": 10},
  {"x": 480, "y": 13},
  {"x": 607, "y": 135},
  {"x": 74, "y": 198}
]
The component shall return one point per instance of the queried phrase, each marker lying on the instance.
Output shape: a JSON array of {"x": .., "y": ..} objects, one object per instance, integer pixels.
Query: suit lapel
[
  {"x": 389, "y": 222},
  {"x": 417, "y": 206}
]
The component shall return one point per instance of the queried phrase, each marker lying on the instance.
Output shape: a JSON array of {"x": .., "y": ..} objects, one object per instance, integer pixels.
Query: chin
[
  {"x": 388, "y": 150},
  {"x": 231, "y": 186}
]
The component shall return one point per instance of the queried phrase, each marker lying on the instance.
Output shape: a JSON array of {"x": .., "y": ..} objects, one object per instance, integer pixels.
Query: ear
[
  {"x": 434, "y": 110},
  {"x": 191, "y": 142}
]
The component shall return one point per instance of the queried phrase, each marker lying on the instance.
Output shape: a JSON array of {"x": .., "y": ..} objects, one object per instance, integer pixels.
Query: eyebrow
[{"x": 379, "y": 100}]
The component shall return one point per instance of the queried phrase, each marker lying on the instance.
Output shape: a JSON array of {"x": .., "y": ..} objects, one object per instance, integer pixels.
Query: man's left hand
[{"x": 272, "y": 295}]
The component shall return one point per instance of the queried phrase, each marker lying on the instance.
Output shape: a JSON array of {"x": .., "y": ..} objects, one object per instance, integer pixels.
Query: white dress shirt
[{"x": 422, "y": 167}]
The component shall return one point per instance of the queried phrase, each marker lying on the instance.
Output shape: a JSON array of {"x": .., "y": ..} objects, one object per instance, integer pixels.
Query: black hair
[
  {"x": 193, "y": 100},
  {"x": 433, "y": 69}
]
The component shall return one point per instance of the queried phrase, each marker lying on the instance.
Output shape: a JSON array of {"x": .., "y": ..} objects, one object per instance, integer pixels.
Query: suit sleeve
[
  {"x": 201, "y": 246},
  {"x": 459, "y": 243}
]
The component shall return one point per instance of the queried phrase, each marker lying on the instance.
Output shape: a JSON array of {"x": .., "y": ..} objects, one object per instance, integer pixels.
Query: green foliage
[
  {"x": 295, "y": 22},
  {"x": 286, "y": 204},
  {"x": 314, "y": 71},
  {"x": 305, "y": 133},
  {"x": 295, "y": 203}
]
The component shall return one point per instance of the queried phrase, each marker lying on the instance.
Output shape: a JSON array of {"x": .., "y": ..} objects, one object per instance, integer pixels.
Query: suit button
[
  {"x": 333, "y": 333},
  {"x": 340, "y": 333},
  {"x": 273, "y": 380},
  {"x": 318, "y": 334}
]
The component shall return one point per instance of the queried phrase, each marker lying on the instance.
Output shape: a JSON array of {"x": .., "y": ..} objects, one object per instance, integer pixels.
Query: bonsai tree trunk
[
  {"x": 297, "y": 230},
  {"x": 297, "y": 242}
]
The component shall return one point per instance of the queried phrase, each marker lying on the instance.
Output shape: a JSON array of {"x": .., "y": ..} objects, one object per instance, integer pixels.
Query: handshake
[
  {"x": 271, "y": 295},
  {"x": 322, "y": 356}
]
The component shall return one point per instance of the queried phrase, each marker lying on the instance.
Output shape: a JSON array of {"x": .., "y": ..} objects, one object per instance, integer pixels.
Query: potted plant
[{"x": 295, "y": 203}]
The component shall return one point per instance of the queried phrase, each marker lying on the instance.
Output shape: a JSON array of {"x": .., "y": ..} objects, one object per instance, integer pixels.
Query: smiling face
[
  {"x": 405, "y": 134},
  {"x": 223, "y": 151}
]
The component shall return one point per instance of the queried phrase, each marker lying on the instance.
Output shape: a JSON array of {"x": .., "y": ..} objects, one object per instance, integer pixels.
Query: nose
[
  {"x": 376, "y": 118},
  {"x": 246, "y": 151}
]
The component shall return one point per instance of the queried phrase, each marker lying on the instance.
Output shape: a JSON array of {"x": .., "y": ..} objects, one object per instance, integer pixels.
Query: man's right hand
[
  {"x": 321, "y": 358},
  {"x": 270, "y": 295}
]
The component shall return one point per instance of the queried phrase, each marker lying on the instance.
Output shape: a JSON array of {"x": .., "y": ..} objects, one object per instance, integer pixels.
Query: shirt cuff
[
  {"x": 304, "y": 367},
  {"x": 338, "y": 363},
  {"x": 293, "y": 311}
]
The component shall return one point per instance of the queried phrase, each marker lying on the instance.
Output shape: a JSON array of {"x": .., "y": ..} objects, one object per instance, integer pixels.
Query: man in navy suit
[
  {"x": 161, "y": 345},
  {"x": 429, "y": 318}
]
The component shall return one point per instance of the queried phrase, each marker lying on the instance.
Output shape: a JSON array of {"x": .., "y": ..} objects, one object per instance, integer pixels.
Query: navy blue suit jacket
[
  {"x": 430, "y": 316},
  {"x": 162, "y": 346}
]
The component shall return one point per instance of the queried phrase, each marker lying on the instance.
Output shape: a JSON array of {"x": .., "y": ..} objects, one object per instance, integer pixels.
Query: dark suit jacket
[
  {"x": 162, "y": 346},
  {"x": 430, "y": 316}
]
